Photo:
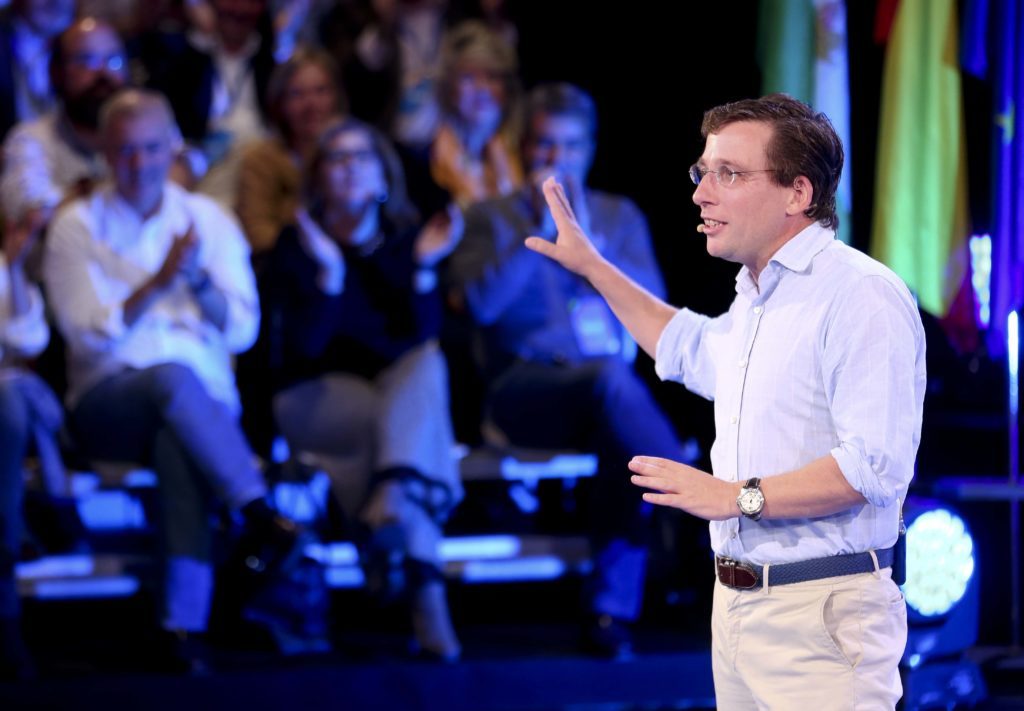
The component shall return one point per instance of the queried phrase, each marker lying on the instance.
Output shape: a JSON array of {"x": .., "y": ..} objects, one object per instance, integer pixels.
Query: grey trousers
[{"x": 356, "y": 427}]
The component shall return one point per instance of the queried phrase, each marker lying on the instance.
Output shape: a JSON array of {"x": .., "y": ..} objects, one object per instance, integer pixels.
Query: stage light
[
  {"x": 940, "y": 562},
  {"x": 942, "y": 597}
]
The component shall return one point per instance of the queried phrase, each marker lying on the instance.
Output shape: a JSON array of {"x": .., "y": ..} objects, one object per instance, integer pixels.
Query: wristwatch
[{"x": 751, "y": 499}]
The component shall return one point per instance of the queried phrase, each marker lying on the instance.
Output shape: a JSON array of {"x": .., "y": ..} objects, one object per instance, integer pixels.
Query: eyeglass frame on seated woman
[{"x": 397, "y": 209}]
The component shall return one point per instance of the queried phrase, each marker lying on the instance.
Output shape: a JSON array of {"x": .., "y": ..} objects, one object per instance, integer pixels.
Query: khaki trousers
[{"x": 824, "y": 644}]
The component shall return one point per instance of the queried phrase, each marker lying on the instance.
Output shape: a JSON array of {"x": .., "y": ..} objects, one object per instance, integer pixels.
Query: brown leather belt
[
  {"x": 735, "y": 574},
  {"x": 748, "y": 576}
]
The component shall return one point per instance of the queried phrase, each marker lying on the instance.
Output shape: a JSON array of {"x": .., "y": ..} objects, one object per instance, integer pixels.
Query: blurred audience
[
  {"x": 392, "y": 65},
  {"x": 475, "y": 153},
  {"x": 56, "y": 157},
  {"x": 28, "y": 410},
  {"x": 557, "y": 361},
  {"x": 302, "y": 97},
  {"x": 361, "y": 380},
  {"x": 152, "y": 290},
  {"x": 216, "y": 82},
  {"x": 27, "y": 30}
]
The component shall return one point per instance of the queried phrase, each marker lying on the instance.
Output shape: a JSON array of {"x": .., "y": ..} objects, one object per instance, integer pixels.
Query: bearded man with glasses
[{"x": 817, "y": 372}]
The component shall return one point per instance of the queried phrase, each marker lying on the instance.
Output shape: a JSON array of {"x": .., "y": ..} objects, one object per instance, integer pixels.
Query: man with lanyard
[
  {"x": 560, "y": 368},
  {"x": 817, "y": 373}
]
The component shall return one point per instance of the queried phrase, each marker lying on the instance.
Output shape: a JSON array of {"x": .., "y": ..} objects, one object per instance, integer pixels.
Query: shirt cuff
[
  {"x": 668, "y": 353},
  {"x": 28, "y": 333},
  {"x": 862, "y": 477}
]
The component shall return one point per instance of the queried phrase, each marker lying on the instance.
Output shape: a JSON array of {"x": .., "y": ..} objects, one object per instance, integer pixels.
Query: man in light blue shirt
[{"x": 817, "y": 373}]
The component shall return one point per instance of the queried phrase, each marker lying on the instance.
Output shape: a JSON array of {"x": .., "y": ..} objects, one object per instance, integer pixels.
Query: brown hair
[
  {"x": 803, "y": 143},
  {"x": 281, "y": 77},
  {"x": 561, "y": 99},
  {"x": 398, "y": 212},
  {"x": 474, "y": 41}
]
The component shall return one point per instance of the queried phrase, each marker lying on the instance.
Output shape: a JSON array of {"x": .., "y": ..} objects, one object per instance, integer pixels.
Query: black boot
[{"x": 269, "y": 542}]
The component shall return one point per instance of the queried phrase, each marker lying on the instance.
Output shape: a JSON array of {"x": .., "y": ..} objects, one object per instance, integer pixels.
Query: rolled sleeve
[
  {"x": 26, "y": 335},
  {"x": 681, "y": 355},
  {"x": 875, "y": 377}
]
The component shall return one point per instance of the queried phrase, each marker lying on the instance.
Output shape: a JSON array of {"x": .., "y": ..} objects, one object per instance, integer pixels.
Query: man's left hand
[{"x": 683, "y": 487}]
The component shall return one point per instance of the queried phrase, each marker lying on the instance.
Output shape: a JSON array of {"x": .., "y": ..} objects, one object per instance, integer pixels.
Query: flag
[
  {"x": 803, "y": 52},
  {"x": 920, "y": 221}
]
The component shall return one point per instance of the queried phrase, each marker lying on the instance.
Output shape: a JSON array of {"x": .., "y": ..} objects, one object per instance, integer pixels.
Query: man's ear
[{"x": 801, "y": 196}]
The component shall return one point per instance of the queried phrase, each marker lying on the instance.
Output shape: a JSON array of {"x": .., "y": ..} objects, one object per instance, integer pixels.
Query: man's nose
[{"x": 702, "y": 191}]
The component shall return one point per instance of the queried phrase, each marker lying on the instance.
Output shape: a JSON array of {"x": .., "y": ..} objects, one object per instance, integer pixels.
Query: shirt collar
[{"x": 795, "y": 255}]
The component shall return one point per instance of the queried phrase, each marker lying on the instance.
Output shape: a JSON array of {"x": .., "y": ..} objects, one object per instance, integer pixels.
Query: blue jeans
[
  {"x": 162, "y": 417},
  {"x": 15, "y": 434},
  {"x": 599, "y": 406}
]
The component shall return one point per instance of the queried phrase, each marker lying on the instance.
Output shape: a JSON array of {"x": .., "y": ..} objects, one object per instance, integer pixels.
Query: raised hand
[
  {"x": 571, "y": 248},
  {"x": 683, "y": 487},
  {"x": 439, "y": 237}
]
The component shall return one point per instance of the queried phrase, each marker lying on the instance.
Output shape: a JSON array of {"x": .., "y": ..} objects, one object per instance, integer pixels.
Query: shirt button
[
  {"x": 742, "y": 363},
  {"x": 732, "y": 536},
  {"x": 758, "y": 309},
  {"x": 734, "y": 419}
]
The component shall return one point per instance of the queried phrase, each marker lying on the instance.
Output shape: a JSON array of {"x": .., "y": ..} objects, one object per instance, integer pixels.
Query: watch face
[{"x": 750, "y": 500}]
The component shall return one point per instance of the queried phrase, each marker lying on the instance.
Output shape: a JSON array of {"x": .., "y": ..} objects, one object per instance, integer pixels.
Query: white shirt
[
  {"x": 40, "y": 163},
  {"x": 826, "y": 358},
  {"x": 99, "y": 251},
  {"x": 27, "y": 335}
]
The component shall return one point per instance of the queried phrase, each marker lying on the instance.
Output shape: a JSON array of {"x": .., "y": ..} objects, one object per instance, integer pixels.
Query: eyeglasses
[
  {"x": 361, "y": 157},
  {"x": 723, "y": 176},
  {"x": 95, "y": 62}
]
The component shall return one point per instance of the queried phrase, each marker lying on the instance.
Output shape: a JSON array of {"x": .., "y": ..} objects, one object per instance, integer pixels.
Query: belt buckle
[{"x": 736, "y": 575}]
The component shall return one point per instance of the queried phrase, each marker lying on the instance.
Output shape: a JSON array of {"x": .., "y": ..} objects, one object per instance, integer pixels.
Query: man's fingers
[
  {"x": 645, "y": 465},
  {"x": 542, "y": 246},
  {"x": 559, "y": 205},
  {"x": 659, "y": 499},
  {"x": 655, "y": 483}
]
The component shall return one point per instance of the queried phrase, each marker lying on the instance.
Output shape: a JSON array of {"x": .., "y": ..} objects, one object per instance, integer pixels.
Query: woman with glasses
[{"x": 362, "y": 383}]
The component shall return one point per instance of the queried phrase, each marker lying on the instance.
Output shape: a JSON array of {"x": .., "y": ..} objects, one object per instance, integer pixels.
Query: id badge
[{"x": 597, "y": 332}]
